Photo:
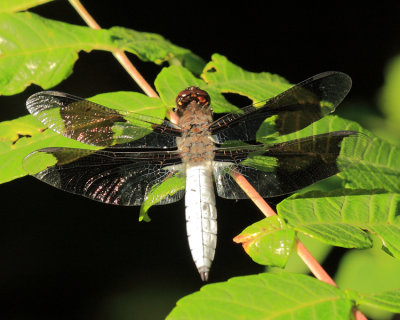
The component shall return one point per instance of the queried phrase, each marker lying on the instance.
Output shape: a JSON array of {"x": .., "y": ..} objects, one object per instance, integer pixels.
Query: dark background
[{"x": 65, "y": 257}]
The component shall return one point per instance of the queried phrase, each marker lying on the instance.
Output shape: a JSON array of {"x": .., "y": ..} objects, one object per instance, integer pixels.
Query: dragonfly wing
[
  {"x": 94, "y": 124},
  {"x": 288, "y": 112},
  {"x": 109, "y": 176},
  {"x": 281, "y": 168}
]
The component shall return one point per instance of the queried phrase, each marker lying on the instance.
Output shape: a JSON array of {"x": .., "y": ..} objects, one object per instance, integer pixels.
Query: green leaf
[
  {"x": 19, "y": 5},
  {"x": 131, "y": 101},
  {"x": 268, "y": 242},
  {"x": 339, "y": 218},
  {"x": 168, "y": 187},
  {"x": 153, "y": 47},
  {"x": 43, "y": 51},
  {"x": 170, "y": 81},
  {"x": 265, "y": 296},
  {"x": 24, "y": 135},
  {"x": 377, "y": 166},
  {"x": 387, "y": 300},
  {"x": 220, "y": 76}
]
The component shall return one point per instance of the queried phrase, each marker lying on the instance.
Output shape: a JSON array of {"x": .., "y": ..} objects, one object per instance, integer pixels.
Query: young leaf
[
  {"x": 268, "y": 242},
  {"x": 339, "y": 218},
  {"x": 265, "y": 296}
]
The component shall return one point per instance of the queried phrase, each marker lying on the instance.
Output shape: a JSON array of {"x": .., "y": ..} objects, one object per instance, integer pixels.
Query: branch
[
  {"x": 312, "y": 264},
  {"x": 118, "y": 54}
]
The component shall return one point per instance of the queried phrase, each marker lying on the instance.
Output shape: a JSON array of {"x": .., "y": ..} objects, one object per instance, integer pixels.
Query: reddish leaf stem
[
  {"x": 312, "y": 264},
  {"x": 118, "y": 54},
  {"x": 302, "y": 251}
]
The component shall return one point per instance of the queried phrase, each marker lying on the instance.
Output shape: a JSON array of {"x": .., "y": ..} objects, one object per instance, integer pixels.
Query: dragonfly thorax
[{"x": 195, "y": 144}]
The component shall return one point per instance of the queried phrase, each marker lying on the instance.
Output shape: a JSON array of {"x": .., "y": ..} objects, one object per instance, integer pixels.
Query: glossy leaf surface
[
  {"x": 268, "y": 242},
  {"x": 265, "y": 296}
]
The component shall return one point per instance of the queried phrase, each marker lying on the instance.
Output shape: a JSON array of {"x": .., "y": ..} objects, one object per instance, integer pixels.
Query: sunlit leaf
[
  {"x": 220, "y": 76},
  {"x": 375, "y": 167},
  {"x": 169, "y": 187},
  {"x": 43, "y": 51},
  {"x": 268, "y": 242},
  {"x": 170, "y": 81},
  {"x": 154, "y": 47},
  {"x": 265, "y": 296},
  {"x": 340, "y": 218}
]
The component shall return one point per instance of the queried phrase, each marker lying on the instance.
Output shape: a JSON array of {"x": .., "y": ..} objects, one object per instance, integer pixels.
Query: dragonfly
[{"x": 139, "y": 153}]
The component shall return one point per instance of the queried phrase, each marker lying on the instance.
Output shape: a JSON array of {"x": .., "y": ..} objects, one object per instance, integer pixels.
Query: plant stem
[
  {"x": 118, "y": 54},
  {"x": 253, "y": 194},
  {"x": 312, "y": 264},
  {"x": 358, "y": 315},
  {"x": 302, "y": 251}
]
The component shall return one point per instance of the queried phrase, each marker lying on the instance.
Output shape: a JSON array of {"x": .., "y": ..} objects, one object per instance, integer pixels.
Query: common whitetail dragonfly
[{"x": 140, "y": 153}]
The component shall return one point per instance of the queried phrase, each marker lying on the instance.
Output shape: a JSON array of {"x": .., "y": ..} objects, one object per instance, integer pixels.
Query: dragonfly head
[{"x": 190, "y": 94}]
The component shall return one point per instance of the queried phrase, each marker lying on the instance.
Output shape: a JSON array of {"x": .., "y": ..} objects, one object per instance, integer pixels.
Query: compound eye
[
  {"x": 202, "y": 100},
  {"x": 192, "y": 94}
]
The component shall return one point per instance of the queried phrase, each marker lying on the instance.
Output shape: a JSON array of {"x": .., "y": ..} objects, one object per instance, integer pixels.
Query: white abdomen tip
[{"x": 201, "y": 216}]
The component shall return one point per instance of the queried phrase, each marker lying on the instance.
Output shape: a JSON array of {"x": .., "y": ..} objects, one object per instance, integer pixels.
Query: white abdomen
[{"x": 201, "y": 215}]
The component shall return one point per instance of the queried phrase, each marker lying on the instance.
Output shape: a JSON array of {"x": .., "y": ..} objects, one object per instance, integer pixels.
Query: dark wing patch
[
  {"x": 114, "y": 177},
  {"x": 281, "y": 168},
  {"x": 94, "y": 124},
  {"x": 288, "y": 112}
]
